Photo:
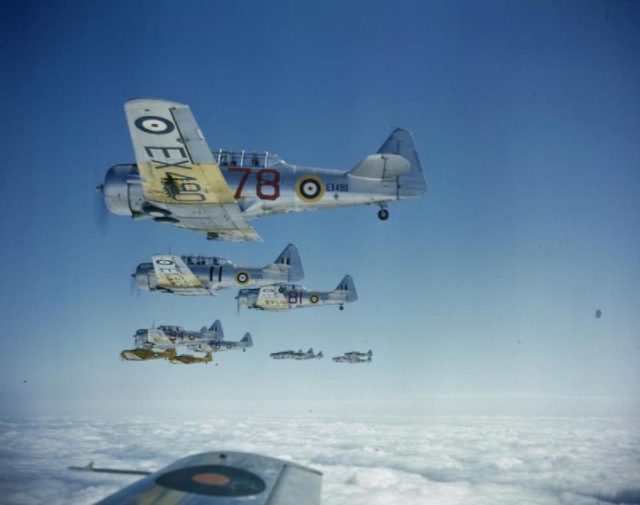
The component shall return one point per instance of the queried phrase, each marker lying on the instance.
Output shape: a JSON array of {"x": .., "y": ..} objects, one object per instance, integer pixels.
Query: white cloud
[{"x": 471, "y": 461}]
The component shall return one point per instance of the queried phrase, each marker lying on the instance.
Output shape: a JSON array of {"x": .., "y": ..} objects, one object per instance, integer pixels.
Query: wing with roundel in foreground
[{"x": 223, "y": 478}]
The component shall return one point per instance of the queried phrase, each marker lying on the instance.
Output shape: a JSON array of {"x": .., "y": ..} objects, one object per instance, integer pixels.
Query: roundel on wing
[
  {"x": 310, "y": 188},
  {"x": 154, "y": 124},
  {"x": 314, "y": 298},
  {"x": 213, "y": 480},
  {"x": 242, "y": 277}
]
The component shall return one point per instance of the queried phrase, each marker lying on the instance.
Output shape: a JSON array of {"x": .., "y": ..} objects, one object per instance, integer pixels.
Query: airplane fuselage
[
  {"x": 213, "y": 277},
  {"x": 286, "y": 297},
  {"x": 200, "y": 341},
  {"x": 262, "y": 191}
]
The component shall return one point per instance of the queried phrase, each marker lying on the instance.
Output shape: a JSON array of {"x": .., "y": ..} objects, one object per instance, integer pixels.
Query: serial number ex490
[{"x": 177, "y": 179}]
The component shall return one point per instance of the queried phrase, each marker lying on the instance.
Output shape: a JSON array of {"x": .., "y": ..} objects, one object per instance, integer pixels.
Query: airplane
[
  {"x": 354, "y": 357},
  {"x": 218, "y": 478},
  {"x": 188, "y": 359},
  {"x": 204, "y": 275},
  {"x": 178, "y": 180},
  {"x": 144, "y": 354},
  {"x": 160, "y": 342},
  {"x": 293, "y": 296},
  {"x": 300, "y": 355}
]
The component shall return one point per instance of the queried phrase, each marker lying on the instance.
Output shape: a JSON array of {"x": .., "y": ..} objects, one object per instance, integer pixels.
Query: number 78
[{"x": 265, "y": 178}]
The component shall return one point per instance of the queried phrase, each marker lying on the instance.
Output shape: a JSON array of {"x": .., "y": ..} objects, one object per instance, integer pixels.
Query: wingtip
[{"x": 148, "y": 102}]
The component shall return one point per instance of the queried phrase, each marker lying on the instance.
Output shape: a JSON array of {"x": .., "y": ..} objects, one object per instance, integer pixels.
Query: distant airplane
[
  {"x": 178, "y": 180},
  {"x": 218, "y": 478},
  {"x": 300, "y": 355},
  {"x": 204, "y": 275},
  {"x": 160, "y": 342},
  {"x": 354, "y": 357},
  {"x": 293, "y": 296}
]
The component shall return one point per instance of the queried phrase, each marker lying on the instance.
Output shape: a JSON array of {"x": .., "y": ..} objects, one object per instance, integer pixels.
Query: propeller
[
  {"x": 100, "y": 212},
  {"x": 238, "y": 304},
  {"x": 133, "y": 286}
]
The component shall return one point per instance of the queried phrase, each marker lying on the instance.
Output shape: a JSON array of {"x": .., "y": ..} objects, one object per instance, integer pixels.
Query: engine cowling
[{"x": 122, "y": 190}]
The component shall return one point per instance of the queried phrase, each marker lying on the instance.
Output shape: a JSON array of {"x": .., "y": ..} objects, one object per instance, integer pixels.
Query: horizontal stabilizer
[{"x": 382, "y": 166}]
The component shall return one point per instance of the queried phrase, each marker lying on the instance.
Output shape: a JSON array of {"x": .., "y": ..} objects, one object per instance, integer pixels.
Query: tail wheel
[{"x": 383, "y": 214}]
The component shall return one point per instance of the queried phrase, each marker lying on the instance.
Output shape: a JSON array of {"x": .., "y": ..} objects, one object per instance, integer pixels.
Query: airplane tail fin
[
  {"x": 216, "y": 327},
  {"x": 413, "y": 182},
  {"x": 347, "y": 285},
  {"x": 247, "y": 340},
  {"x": 290, "y": 258}
]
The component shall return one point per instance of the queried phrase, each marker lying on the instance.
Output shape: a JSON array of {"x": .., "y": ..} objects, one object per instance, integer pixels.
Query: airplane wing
[
  {"x": 172, "y": 274},
  {"x": 224, "y": 478},
  {"x": 178, "y": 170}
]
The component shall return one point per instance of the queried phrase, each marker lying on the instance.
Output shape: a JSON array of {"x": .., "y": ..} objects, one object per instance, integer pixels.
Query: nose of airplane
[{"x": 141, "y": 275}]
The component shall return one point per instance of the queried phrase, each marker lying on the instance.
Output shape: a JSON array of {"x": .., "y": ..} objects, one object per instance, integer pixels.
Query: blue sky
[{"x": 479, "y": 297}]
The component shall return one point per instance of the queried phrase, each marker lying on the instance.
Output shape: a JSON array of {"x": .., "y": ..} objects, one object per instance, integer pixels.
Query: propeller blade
[{"x": 100, "y": 212}]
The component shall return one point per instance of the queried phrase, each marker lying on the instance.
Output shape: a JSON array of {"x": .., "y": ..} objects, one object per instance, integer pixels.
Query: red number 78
[{"x": 265, "y": 178}]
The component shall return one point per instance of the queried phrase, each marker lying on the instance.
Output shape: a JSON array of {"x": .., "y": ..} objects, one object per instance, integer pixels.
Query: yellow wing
[
  {"x": 178, "y": 170},
  {"x": 172, "y": 273}
]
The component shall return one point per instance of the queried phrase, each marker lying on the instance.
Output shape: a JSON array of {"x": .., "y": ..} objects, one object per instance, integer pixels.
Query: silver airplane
[
  {"x": 178, "y": 180},
  {"x": 293, "y": 296},
  {"x": 354, "y": 357},
  {"x": 218, "y": 478},
  {"x": 204, "y": 275},
  {"x": 160, "y": 342},
  {"x": 300, "y": 355}
]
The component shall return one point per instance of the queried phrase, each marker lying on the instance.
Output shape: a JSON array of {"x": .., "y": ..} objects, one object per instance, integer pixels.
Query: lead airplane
[
  {"x": 204, "y": 275},
  {"x": 293, "y": 296},
  {"x": 178, "y": 180},
  {"x": 160, "y": 342}
]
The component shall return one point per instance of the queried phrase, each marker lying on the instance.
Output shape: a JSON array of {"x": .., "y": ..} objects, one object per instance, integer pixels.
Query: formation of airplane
[
  {"x": 354, "y": 357},
  {"x": 161, "y": 343},
  {"x": 177, "y": 179},
  {"x": 292, "y": 296},
  {"x": 218, "y": 478},
  {"x": 205, "y": 275},
  {"x": 299, "y": 355}
]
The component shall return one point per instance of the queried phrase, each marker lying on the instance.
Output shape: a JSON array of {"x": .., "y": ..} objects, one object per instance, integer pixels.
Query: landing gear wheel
[
  {"x": 341, "y": 307},
  {"x": 383, "y": 214}
]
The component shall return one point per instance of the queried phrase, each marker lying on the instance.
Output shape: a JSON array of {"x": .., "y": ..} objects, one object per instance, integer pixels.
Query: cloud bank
[{"x": 471, "y": 461}]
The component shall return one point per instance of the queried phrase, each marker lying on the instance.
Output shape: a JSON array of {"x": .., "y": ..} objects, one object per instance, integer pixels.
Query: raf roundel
[
  {"x": 310, "y": 188},
  {"x": 242, "y": 277},
  {"x": 314, "y": 298},
  {"x": 154, "y": 124}
]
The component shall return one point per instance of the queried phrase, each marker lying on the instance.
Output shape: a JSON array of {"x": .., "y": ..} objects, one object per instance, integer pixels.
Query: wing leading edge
[{"x": 178, "y": 169}]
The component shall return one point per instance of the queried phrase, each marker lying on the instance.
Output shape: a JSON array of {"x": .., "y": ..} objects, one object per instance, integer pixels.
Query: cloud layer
[{"x": 471, "y": 461}]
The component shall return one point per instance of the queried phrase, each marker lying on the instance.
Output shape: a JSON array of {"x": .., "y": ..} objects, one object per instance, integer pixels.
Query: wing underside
[{"x": 178, "y": 170}]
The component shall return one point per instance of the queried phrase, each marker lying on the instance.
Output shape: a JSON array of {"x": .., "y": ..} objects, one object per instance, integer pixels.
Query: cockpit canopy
[
  {"x": 192, "y": 260},
  {"x": 168, "y": 329},
  {"x": 243, "y": 158}
]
